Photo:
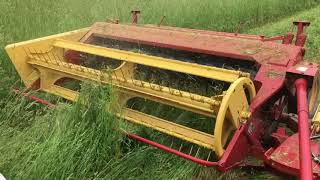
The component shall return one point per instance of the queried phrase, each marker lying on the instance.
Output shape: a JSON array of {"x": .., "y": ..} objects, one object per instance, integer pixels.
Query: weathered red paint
[
  {"x": 280, "y": 135},
  {"x": 285, "y": 158},
  {"x": 244, "y": 47},
  {"x": 236, "y": 152},
  {"x": 303, "y": 125}
]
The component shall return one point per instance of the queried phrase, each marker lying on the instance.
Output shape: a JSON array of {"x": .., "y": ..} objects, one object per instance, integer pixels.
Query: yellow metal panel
[
  {"x": 184, "y": 100},
  {"x": 314, "y": 107},
  {"x": 153, "y": 61},
  {"x": 19, "y": 52},
  {"x": 316, "y": 120},
  {"x": 225, "y": 121},
  {"x": 314, "y": 93},
  {"x": 176, "y": 130}
]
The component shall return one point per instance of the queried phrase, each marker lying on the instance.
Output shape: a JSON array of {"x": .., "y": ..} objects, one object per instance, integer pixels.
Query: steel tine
[
  {"x": 191, "y": 150},
  {"x": 181, "y": 145},
  {"x": 171, "y": 144},
  {"x": 209, "y": 156},
  {"x": 197, "y": 152},
  {"x": 162, "y": 140}
]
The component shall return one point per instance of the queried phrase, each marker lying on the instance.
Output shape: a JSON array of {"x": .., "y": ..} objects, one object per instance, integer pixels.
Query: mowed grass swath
[
  {"x": 79, "y": 140},
  {"x": 285, "y": 25}
]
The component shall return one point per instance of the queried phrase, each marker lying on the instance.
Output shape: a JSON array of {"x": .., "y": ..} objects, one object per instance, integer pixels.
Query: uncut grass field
[{"x": 79, "y": 141}]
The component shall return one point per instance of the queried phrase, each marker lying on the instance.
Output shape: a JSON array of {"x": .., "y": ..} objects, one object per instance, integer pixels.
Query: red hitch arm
[
  {"x": 303, "y": 128},
  {"x": 34, "y": 98},
  {"x": 172, "y": 151}
]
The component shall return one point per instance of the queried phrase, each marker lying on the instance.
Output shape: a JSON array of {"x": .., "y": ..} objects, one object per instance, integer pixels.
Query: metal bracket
[
  {"x": 135, "y": 15},
  {"x": 301, "y": 37}
]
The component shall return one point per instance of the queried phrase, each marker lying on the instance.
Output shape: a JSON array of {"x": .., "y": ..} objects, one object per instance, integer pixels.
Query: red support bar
[
  {"x": 135, "y": 15},
  {"x": 172, "y": 151},
  {"x": 303, "y": 126},
  {"x": 301, "y": 37},
  {"x": 35, "y": 98}
]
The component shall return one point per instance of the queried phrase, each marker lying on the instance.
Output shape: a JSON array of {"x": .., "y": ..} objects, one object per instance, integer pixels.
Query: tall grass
[{"x": 80, "y": 141}]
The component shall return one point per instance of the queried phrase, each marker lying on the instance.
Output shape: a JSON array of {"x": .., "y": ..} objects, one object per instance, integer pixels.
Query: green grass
[
  {"x": 285, "y": 25},
  {"x": 82, "y": 141},
  {"x": 79, "y": 141}
]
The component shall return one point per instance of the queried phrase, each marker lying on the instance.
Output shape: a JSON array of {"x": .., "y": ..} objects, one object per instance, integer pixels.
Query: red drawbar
[
  {"x": 35, "y": 98},
  {"x": 303, "y": 126},
  {"x": 172, "y": 151}
]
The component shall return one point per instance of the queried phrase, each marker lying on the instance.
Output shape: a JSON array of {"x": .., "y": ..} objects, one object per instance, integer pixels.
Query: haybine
[{"x": 266, "y": 108}]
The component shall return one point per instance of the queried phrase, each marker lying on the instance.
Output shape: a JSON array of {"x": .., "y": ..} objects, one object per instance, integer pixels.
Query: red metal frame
[
  {"x": 304, "y": 134},
  {"x": 172, "y": 151},
  {"x": 35, "y": 98},
  {"x": 278, "y": 70}
]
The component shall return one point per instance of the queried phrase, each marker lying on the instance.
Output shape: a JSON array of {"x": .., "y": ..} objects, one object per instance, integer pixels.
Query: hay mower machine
[{"x": 266, "y": 108}]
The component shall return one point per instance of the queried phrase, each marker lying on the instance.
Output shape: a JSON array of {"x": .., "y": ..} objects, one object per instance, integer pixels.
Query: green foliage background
[{"x": 79, "y": 141}]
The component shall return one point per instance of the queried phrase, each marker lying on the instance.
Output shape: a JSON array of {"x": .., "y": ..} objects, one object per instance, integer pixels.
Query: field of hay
[{"x": 79, "y": 141}]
